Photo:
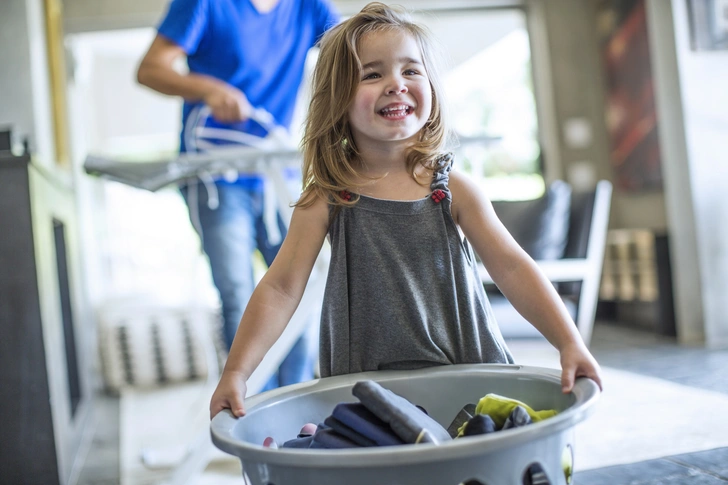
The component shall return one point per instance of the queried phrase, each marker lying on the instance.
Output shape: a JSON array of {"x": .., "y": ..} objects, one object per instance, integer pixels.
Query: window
[{"x": 489, "y": 87}]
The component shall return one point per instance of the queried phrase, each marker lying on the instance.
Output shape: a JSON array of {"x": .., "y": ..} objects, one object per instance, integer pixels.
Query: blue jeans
[{"x": 230, "y": 234}]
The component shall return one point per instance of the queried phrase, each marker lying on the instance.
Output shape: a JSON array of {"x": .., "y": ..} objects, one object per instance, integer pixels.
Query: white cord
[
  {"x": 192, "y": 202},
  {"x": 197, "y": 137},
  {"x": 213, "y": 200}
]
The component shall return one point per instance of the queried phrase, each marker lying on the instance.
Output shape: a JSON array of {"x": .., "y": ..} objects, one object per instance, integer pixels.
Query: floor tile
[
  {"x": 713, "y": 461},
  {"x": 700, "y": 479},
  {"x": 634, "y": 473}
]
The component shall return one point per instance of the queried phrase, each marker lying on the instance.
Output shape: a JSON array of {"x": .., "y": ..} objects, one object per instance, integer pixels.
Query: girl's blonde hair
[{"x": 328, "y": 145}]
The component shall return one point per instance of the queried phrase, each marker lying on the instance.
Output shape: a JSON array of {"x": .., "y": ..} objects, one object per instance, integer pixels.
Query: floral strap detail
[
  {"x": 438, "y": 195},
  {"x": 441, "y": 177},
  {"x": 345, "y": 194}
]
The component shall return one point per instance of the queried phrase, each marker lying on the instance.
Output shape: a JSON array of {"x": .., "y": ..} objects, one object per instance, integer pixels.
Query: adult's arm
[{"x": 156, "y": 71}]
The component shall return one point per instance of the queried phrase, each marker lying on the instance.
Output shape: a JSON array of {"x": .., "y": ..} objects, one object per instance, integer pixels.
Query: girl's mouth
[{"x": 396, "y": 111}]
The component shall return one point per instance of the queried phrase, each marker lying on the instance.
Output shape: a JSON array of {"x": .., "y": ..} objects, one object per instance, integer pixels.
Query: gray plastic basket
[{"x": 495, "y": 459}]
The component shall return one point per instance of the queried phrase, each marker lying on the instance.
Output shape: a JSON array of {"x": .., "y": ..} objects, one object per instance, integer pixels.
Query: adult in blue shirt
[{"x": 242, "y": 54}]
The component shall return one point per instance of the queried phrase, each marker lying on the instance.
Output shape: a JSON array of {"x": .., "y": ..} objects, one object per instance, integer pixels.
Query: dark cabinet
[{"x": 44, "y": 359}]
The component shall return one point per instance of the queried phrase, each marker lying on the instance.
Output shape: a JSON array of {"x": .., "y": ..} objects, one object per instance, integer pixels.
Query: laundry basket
[{"x": 500, "y": 458}]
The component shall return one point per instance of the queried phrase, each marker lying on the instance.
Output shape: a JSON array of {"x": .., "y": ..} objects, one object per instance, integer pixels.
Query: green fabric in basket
[{"x": 500, "y": 407}]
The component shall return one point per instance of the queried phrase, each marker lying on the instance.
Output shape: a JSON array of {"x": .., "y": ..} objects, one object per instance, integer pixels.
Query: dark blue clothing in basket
[
  {"x": 403, "y": 290},
  {"x": 354, "y": 420}
]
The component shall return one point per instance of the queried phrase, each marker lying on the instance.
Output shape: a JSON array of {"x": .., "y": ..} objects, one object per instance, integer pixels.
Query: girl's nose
[{"x": 397, "y": 86}]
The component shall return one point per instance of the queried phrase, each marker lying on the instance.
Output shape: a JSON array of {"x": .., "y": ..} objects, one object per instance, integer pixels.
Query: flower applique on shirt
[{"x": 438, "y": 195}]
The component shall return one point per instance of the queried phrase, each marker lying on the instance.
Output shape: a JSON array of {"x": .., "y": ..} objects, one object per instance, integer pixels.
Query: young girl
[{"x": 403, "y": 290}]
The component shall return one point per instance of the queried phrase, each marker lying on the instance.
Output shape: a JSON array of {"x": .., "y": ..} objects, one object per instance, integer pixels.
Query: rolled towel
[{"x": 405, "y": 419}]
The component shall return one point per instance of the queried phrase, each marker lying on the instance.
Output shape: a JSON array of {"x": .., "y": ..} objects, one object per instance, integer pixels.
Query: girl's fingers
[
  {"x": 567, "y": 379},
  {"x": 237, "y": 407},
  {"x": 569, "y": 375}
]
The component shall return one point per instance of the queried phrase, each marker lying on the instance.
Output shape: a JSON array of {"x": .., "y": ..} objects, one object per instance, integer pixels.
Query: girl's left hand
[{"x": 577, "y": 361}]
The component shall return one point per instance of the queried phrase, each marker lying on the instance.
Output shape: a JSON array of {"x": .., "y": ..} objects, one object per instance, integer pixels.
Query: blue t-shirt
[{"x": 262, "y": 54}]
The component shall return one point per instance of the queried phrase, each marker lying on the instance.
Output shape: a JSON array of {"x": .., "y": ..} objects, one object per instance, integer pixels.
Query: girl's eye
[
  {"x": 411, "y": 72},
  {"x": 372, "y": 75}
]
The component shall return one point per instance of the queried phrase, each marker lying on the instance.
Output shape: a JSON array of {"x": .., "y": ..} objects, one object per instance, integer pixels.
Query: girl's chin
[
  {"x": 404, "y": 130},
  {"x": 391, "y": 135}
]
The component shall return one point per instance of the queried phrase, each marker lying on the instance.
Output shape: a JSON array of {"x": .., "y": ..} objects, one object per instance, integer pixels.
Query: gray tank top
[{"x": 403, "y": 290}]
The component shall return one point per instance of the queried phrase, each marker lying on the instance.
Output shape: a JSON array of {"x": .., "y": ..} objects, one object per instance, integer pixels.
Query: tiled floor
[
  {"x": 703, "y": 468},
  {"x": 613, "y": 346},
  {"x": 647, "y": 354},
  {"x": 101, "y": 466}
]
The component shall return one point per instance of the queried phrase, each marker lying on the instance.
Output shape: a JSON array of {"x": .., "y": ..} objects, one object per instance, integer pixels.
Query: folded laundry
[
  {"x": 350, "y": 433},
  {"x": 327, "y": 438},
  {"x": 302, "y": 442},
  {"x": 463, "y": 416},
  {"x": 357, "y": 417},
  {"x": 383, "y": 418},
  {"x": 505, "y": 413},
  {"x": 479, "y": 424},
  {"x": 324, "y": 437},
  {"x": 500, "y": 407},
  {"x": 405, "y": 419},
  {"x": 304, "y": 438},
  {"x": 308, "y": 429},
  {"x": 518, "y": 417}
]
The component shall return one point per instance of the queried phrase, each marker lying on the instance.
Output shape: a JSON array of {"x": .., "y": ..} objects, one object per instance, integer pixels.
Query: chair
[{"x": 576, "y": 274}]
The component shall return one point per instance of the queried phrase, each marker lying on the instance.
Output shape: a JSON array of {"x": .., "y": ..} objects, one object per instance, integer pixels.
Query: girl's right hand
[{"x": 229, "y": 394}]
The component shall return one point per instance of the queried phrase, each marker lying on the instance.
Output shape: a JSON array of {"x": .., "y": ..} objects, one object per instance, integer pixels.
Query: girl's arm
[
  {"x": 272, "y": 305},
  {"x": 520, "y": 279}
]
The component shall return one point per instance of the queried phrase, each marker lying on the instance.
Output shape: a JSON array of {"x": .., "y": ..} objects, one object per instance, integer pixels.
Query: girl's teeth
[{"x": 395, "y": 111}]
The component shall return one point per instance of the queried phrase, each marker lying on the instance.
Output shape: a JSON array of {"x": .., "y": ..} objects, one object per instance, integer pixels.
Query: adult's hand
[{"x": 228, "y": 104}]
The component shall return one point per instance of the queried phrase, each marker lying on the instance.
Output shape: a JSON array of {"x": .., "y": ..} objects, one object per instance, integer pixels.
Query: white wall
[
  {"x": 25, "y": 94},
  {"x": 703, "y": 78},
  {"x": 692, "y": 105},
  {"x": 14, "y": 48}
]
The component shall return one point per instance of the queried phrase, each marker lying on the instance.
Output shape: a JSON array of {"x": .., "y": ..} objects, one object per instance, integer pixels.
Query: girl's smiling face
[{"x": 394, "y": 98}]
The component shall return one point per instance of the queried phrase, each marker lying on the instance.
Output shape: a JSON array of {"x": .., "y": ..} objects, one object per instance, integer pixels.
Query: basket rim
[{"x": 586, "y": 393}]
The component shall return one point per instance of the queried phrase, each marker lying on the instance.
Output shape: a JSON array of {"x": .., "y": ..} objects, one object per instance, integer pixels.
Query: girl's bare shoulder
[
  {"x": 315, "y": 211},
  {"x": 464, "y": 189}
]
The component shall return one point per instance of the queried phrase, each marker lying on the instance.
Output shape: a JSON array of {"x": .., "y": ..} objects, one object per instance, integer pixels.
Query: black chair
[{"x": 576, "y": 273}]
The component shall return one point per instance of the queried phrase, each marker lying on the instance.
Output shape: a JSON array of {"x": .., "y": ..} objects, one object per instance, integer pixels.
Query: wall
[
  {"x": 676, "y": 169},
  {"x": 25, "y": 94},
  {"x": 578, "y": 95},
  {"x": 15, "y": 96},
  {"x": 94, "y": 15},
  {"x": 703, "y": 77}
]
